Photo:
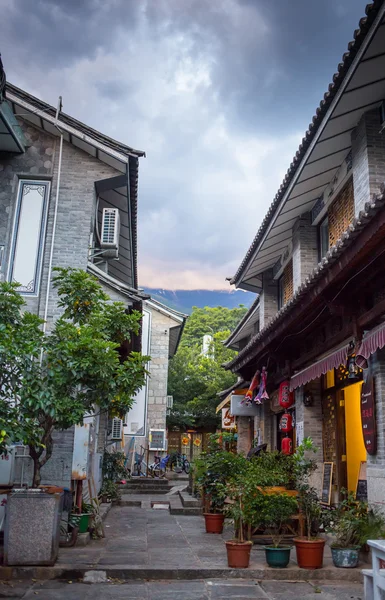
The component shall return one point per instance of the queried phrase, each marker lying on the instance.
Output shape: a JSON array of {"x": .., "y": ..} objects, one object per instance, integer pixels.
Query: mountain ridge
[{"x": 184, "y": 300}]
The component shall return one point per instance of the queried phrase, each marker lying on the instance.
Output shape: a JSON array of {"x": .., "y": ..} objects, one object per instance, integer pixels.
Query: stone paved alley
[
  {"x": 184, "y": 590},
  {"x": 151, "y": 555}
]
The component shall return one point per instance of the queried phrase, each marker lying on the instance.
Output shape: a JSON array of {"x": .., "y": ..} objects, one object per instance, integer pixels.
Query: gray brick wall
[
  {"x": 305, "y": 249},
  {"x": 368, "y": 153},
  {"x": 157, "y": 387},
  {"x": 311, "y": 416},
  {"x": 74, "y": 222},
  {"x": 268, "y": 299},
  {"x": 376, "y": 463}
]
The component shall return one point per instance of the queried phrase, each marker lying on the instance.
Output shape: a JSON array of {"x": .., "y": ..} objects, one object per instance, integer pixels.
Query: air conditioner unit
[
  {"x": 117, "y": 429},
  {"x": 170, "y": 401},
  {"x": 109, "y": 239}
]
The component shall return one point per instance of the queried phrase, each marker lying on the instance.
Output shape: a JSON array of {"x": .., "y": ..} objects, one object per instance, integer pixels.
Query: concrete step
[
  {"x": 189, "y": 501},
  {"x": 177, "y": 508},
  {"x": 254, "y": 572},
  {"x": 145, "y": 490},
  {"x": 145, "y": 482},
  {"x": 125, "y": 502}
]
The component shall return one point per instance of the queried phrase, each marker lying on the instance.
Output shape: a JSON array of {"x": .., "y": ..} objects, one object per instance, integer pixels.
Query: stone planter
[{"x": 32, "y": 527}]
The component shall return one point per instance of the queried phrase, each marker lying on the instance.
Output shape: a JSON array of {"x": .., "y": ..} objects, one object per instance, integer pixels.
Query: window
[
  {"x": 28, "y": 235},
  {"x": 323, "y": 238},
  {"x": 280, "y": 292}
]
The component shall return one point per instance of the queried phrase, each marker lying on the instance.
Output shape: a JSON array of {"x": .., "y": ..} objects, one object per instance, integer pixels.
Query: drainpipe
[{"x": 59, "y": 107}]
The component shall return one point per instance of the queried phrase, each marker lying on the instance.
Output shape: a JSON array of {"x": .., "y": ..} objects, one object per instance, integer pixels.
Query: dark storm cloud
[
  {"x": 60, "y": 32},
  {"x": 217, "y": 92}
]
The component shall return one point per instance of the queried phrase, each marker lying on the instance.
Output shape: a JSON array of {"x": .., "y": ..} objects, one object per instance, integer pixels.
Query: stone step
[
  {"x": 189, "y": 501},
  {"x": 125, "y": 573},
  {"x": 185, "y": 511},
  {"x": 146, "y": 481},
  {"x": 146, "y": 490},
  {"x": 125, "y": 502}
]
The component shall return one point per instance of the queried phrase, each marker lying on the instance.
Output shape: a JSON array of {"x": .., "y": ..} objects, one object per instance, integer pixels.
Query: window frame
[
  {"x": 280, "y": 292},
  {"x": 41, "y": 234},
  {"x": 322, "y": 254}
]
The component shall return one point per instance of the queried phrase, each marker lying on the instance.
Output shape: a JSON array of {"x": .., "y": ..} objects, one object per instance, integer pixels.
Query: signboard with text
[
  {"x": 368, "y": 418},
  {"x": 239, "y": 408},
  {"x": 228, "y": 420}
]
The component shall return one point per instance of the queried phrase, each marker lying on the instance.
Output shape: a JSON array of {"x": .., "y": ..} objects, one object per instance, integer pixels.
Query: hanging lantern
[
  {"x": 286, "y": 422},
  {"x": 286, "y": 397},
  {"x": 287, "y": 446}
]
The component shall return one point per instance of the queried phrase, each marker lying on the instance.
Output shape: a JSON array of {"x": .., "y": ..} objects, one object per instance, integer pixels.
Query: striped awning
[
  {"x": 372, "y": 341},
  {"x": 332, "y": 361}
]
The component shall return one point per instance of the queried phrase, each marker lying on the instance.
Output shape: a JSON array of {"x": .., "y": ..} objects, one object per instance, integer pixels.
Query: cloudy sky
[{"x": 217, "y": 92}]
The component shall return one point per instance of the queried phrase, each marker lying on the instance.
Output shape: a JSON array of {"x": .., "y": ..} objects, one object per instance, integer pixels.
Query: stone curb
[{"x": 70, "y": 572}]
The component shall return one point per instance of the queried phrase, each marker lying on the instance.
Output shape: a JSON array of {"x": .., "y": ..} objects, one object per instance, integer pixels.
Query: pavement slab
[{"x": 215, "y": 589}]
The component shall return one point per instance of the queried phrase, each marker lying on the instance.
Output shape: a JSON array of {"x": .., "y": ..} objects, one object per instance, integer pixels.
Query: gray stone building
[
  {"x": 68, "y": 198},
  {"x": 315, "y": 267}
]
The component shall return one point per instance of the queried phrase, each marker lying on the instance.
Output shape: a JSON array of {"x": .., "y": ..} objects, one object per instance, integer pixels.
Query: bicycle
[
  {"x": 180, "y": 463},
  {"x": 158, "y": 467},
  {"x": 138, "y": 463}
]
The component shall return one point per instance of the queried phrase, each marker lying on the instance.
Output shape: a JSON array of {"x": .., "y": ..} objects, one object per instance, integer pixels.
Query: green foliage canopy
[
  {"x": 195, "y": 379},
  {"x": 50, "y": 382}
]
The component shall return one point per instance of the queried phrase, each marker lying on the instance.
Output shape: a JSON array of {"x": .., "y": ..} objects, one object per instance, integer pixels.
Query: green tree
[
  {"x": 195, "y": 379},
  {"x": 210, "y": 320},
  {"x": 50, "y": 382}
]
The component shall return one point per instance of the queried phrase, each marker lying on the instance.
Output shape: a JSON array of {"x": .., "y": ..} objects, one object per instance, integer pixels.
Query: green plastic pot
[
  {"x": 277, "y": 558},
  {"x": 84, "y": 522}
]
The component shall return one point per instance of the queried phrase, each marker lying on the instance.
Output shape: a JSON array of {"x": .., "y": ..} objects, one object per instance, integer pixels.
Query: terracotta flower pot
[
  {"x": 214, "y": 522},
  {"x": 310, "y": 553},
  {"x": 238, "y": 554}
]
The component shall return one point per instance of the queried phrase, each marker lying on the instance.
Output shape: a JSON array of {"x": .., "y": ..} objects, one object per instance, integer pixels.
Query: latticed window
[
  {"x": 287, "y": 282},
  {"x": 341, "y": 213}
]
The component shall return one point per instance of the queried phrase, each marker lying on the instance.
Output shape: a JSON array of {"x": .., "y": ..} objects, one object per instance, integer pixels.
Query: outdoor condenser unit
[
  {"x": 109, "y": 239},
  {"x": 117, "y": 429}
]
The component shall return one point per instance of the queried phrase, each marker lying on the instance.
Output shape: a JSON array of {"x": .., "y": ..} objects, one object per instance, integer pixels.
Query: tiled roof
[
  {"x": 358, "y": 224},
  {"x": 92, "y": 133},
  {"x": 365, "y": 23},
  {"x": 242, "y": 321}
]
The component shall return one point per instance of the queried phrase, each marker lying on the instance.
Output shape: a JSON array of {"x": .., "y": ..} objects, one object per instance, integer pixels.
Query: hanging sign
[
  {"x": 239, "y": 408},
  {"x": 228, "y": 420},
  {"x": 368, "y": 419},
  {"x": 327, "y": 476}
]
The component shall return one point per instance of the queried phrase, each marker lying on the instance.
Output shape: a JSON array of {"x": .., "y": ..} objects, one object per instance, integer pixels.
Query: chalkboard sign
[
  {"x": 362, "y": 484},
  {"x": 327, "y": 476},
  {"x": 368, "y": 417},
  {"x": 157, "y": 439}
]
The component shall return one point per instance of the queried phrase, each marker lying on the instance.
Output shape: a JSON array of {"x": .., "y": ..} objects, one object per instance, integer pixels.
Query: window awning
[
  {"x": 372, "y": 341},
  {"x": 223, "y": 404},
  {"x": 332, "y": 361}
]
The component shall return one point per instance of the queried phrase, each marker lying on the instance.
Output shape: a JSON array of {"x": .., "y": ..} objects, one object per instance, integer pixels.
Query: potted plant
[
  {"x": 238, "y": 549},
  {"x": 352, "y": 524},
  {"x": 275, "y": 512},
  {"x": 58, "y": 379},
  {"x": 109, "y": 491},
  {"x": 212, "y": 473},
  {"x": 309, "y": 549}
]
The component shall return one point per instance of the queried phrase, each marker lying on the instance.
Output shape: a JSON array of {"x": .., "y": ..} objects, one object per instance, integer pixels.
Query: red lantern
[
  {"x": 286, "y": 422},
  {"x": 286, "y": 397},
  {"x": 287, "y": 446}
]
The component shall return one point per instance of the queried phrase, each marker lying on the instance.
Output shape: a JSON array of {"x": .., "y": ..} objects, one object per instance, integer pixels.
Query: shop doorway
[
  {"x": 343, "y": 442},
  {"x": 355, "y": 447}
]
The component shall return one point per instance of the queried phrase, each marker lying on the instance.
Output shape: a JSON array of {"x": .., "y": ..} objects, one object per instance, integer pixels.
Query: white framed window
[{"x": 28, "y": 235}]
